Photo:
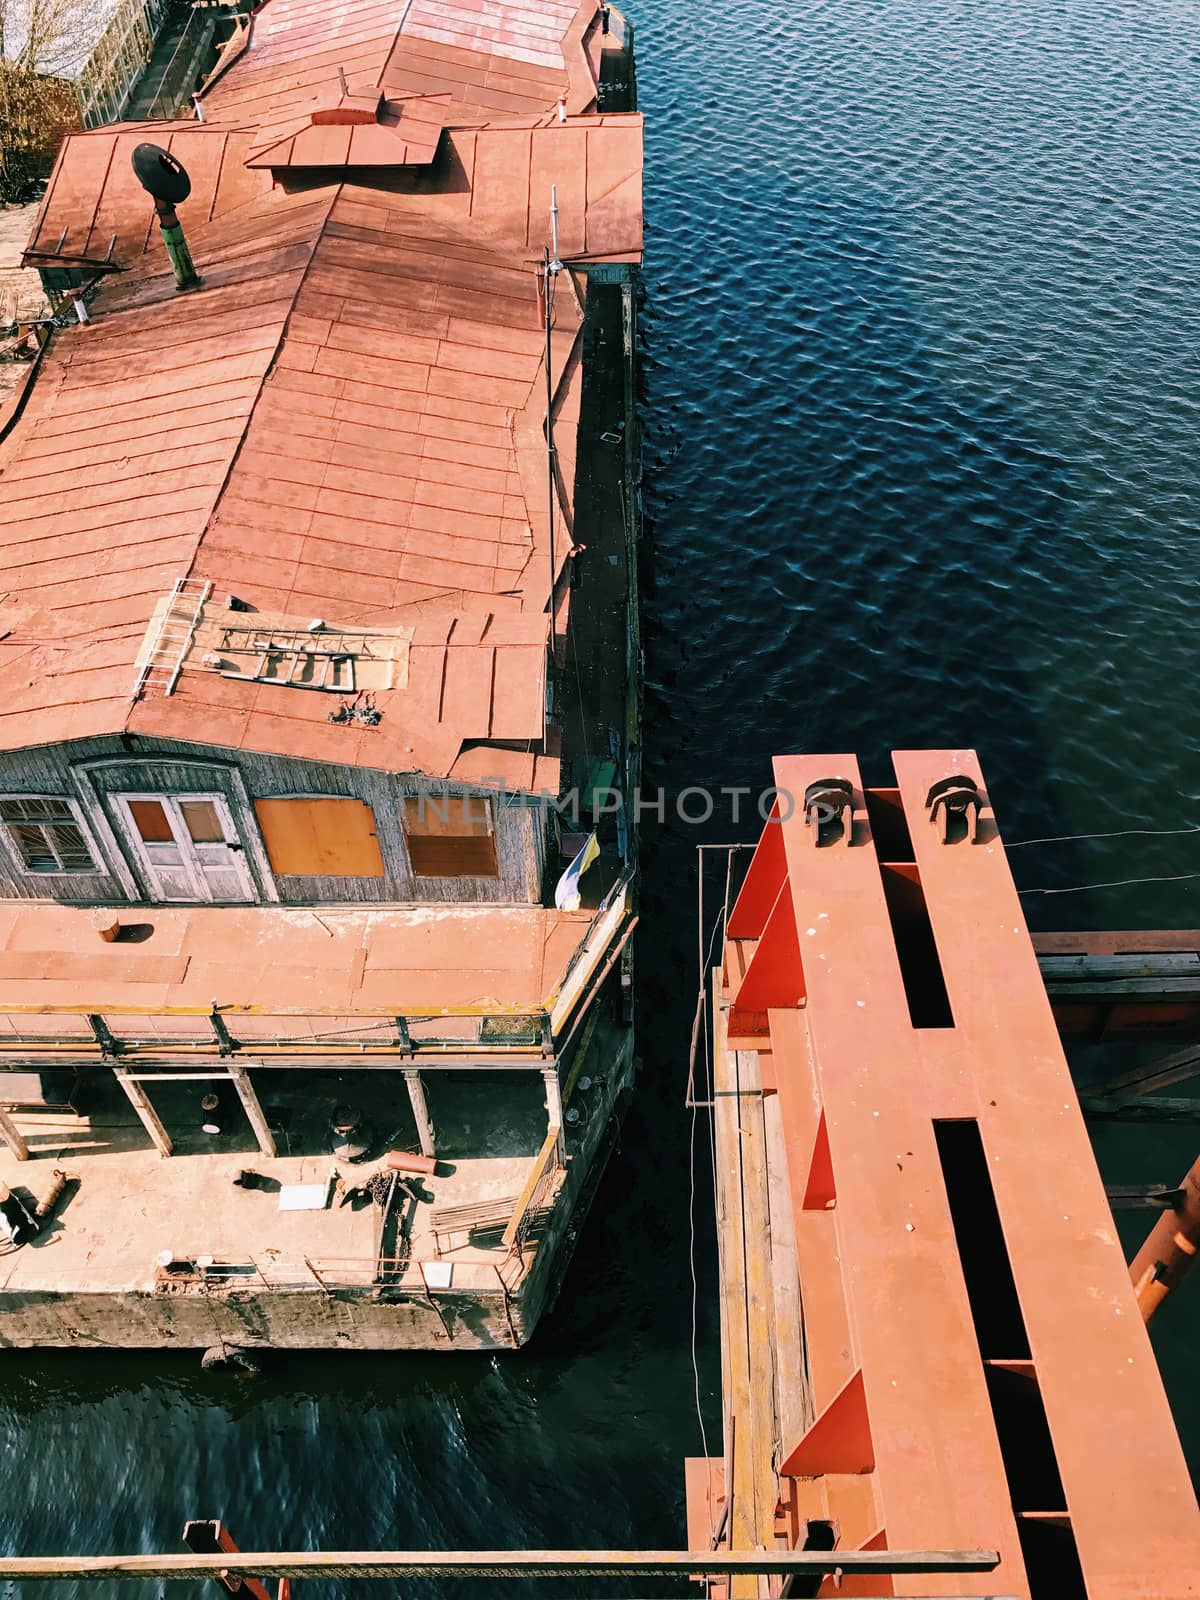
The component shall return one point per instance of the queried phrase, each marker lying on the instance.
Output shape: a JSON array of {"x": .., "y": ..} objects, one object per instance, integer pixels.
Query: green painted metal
[{"x": 186, "y": 276}]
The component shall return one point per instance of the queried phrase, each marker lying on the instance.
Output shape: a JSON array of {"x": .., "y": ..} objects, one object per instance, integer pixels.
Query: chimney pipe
[
  {"x": 186, "y": 276},
  {"x": 163, "y": 177}
]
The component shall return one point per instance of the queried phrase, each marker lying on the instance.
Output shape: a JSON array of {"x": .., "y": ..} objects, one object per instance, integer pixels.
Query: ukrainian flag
[{"x": 567, "y": 896}]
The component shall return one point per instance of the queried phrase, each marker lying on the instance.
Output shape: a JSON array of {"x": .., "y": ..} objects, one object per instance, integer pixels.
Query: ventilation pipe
[{"x": 168, "y": 185}]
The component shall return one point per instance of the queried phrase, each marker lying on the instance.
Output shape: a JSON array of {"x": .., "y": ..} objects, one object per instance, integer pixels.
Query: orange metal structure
[
  {"x": 1170, "y": 1249},
  {"x": 974, "y": 1365}
]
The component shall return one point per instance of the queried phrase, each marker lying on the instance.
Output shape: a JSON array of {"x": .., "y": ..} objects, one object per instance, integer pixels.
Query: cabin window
[
  {"x": 317, "y": 837},
  {"x": 451, "y": 835},
  {"x": 47, "y": 835}
]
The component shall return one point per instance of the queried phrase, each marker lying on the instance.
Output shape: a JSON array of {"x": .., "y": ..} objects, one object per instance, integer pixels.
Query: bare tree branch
[{"x": 53, "y": 37}]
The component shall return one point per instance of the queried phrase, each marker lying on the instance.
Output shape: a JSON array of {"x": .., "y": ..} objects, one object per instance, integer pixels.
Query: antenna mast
[{"x": 552, "y": 267}]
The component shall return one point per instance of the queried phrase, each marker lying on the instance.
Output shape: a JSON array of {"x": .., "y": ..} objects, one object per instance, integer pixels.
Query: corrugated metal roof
[{"x": 347, "y": 420}]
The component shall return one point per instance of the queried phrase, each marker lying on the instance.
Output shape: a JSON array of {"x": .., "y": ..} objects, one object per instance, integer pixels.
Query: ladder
[
  {"x": 299, "y": 658},
  {"x": 160, "y": 665}
]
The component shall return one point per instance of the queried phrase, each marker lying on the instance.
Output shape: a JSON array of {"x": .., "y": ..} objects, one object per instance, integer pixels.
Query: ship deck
[
  {"x": 276, "y": 960},
  {"x": 131, "y": 1204}
]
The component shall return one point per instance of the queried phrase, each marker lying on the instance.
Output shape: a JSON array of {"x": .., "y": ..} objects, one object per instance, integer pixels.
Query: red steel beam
[
  {"x": 1136, "y": 1529},
  {"x": 877, "y": 1091},
  {"x": 1170, "y": 1249}
]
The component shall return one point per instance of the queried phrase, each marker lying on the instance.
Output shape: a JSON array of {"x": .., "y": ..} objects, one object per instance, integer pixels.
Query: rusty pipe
[
  {"x": 45, "y": 1208},
  {"x": 1170, "y": 1248}
]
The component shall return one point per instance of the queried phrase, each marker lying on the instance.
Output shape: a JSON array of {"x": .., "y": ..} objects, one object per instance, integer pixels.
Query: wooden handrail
[
  {"x": 546, "y": 1157},
  {"x": 498, "y": 1563}
]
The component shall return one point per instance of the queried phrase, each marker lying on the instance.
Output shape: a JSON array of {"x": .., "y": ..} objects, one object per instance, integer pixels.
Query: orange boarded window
[
  {"x": 451, "y": 836},
  {"x": 320, "y": 838},
  {"x": 150, "y": 818}
]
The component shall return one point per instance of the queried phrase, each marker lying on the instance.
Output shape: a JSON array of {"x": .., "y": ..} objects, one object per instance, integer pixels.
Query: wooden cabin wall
[{"x": 92, "y": 771}]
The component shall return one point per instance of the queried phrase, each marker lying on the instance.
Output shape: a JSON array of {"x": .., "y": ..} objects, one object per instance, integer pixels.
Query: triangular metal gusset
[
  {"x": 774, "y": 978},
  {"x": 838, "y": 1441}
]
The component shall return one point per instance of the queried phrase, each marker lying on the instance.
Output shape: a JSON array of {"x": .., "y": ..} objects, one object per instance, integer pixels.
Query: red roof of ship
[{"x": 347, "y": 422}]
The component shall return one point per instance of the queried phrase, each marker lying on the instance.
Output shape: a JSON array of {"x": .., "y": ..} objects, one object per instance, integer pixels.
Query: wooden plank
[
  {"x": 498, "y": 1563},
  {"x": 1121, "y": 942},
  {"x": 311, "y": 837},
  {"x": 734, "y": 1375},
  {"x": 734, "y": 1370},
  {"x": 1135, "y": 1108},
  {"x": 1166, "y": 987},
  {"x": 760, "y": 1322},
  {"x": 1148, "y": 965},
  {"x": 792, "y": 1402},
  {"x": 1160, "y": 1074},
  {"x": 542, "y": 1163},
  {"x": 748, "y": 1341}
]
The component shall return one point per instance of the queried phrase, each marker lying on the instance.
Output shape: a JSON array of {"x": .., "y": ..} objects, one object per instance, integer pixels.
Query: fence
[
  {"x": 276, "y": 1037},
  {"x": 120, "y": 57},
  {"x": 612, "y": 920},
  {"x": 535, "y": 1198}
]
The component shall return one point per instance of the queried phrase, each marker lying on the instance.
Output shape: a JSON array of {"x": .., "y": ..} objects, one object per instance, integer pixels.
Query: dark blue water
[{"x": 921, "y": 348}]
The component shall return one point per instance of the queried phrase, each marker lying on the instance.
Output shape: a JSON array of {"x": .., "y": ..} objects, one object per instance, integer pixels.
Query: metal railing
[
  {"x": 116, "y": 63},
  {"x": 535, "y": 1197},
  {"x": 275, "y": 1037},
  {"x": 348, "y": 1274},
  {"x": 613, "y": 918},
  {"x": 290, "y": 1035},
  {"x": 620, "y": 30}
]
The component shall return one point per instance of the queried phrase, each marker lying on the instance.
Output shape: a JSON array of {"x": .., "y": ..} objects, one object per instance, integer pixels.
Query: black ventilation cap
[{"x": 160, "y": 174}]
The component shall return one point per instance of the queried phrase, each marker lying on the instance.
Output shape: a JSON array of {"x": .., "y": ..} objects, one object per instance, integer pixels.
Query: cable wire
[
  {"x": 1118, "y": 883},
  {"x": 702, "y": 959},
  {"x": 1121, "y": 833}
]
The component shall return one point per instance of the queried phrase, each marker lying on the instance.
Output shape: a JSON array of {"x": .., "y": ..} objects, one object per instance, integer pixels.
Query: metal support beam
[
  {"x": 253, "y": 1109},
  {"x": 212, "y": 1538},
  {"x": 11, "y": 1135},
  {"x": 225, "y": 1042},
  {"x": 103, "y": 1034},
  {"x": 147, "y": 1116},
  {"x": 420, "y": 1111},
  {"x": 554, "y": 1109}
]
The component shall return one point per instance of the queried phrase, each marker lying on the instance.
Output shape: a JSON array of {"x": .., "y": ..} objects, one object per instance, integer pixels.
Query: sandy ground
[{"x": 20, "y": 289}]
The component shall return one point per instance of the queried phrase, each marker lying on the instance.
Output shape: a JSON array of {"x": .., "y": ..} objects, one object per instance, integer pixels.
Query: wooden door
[{"x": 188, "y": 846}]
